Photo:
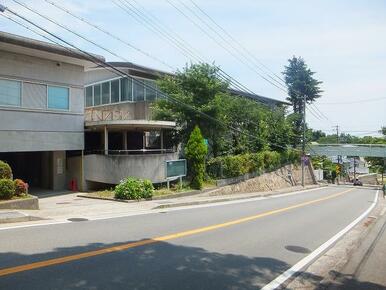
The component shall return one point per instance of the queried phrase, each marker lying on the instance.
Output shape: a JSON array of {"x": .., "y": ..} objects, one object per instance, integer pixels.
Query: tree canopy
[
  {"x": 231, "y": 124},
  {"x": 300, "y": 83}
]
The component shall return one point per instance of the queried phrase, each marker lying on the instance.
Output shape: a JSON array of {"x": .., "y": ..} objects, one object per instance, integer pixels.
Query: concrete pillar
[
  {"x": 162, "y": 140},
  {"x": 124, "y": 136},
  {"x": 106, "y": 142}
]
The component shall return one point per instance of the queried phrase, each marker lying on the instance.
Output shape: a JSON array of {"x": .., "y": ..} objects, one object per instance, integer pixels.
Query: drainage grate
[
  {"x": 77, "y": 219},
  {"x": 64, "y": 202},
  {"x": 298, "y": 249}
]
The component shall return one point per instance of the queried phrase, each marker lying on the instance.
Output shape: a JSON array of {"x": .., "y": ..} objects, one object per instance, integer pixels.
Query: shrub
[
  {"x": 237, "y": 165},
  {"x": 5, "y": 170},
  {"x": 21, "y": 187},
  {"x": 134, "y": 188},
  {"x": 7, "y": 188},
  {"x": 195, "y": 152}
]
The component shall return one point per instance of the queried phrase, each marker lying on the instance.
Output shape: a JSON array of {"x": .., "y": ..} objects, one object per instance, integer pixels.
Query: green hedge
[
  {"x": 5, "y": 170},
  {"x": 7, "y": 188},
  {"x": 134, "y": 188},
  {"x": 237, "y": 165}
]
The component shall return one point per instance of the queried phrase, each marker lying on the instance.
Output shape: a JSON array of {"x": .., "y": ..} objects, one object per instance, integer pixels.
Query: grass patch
[
  {"x": 107, "y": 194},
  {"x": 23, "y": 196}
]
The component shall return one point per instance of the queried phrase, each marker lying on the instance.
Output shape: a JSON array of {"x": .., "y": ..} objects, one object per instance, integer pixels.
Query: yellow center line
[{"x": 56, "y": 261}]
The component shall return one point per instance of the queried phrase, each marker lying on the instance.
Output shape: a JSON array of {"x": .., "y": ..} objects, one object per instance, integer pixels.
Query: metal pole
[
  {"x": 304, "y": 138},
  {"x": 355, "y": 168}
]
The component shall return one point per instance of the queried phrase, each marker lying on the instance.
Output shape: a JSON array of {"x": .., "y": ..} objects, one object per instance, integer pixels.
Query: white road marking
[
  {"x": 65, "y": 221},
  {"x": 315, "y": 254}
]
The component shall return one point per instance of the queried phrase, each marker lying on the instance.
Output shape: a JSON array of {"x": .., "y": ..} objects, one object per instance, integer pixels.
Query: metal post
[
  {"x": 106, "y": 135},
  {"x": 82, "y": 172},
  {"x": 355, "y": 164},
  {"x": 180, "y": 182},
  {"x": 304, "y": 138}
]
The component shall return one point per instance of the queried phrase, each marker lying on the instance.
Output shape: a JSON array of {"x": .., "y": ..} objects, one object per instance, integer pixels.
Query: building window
[
  {"x": 58, "y": 98},
  {"x": 126, "y": 90},
  {"x": 138, "y": 90},
  {"x": 106, "y": 93},
  {"x": 151, "y": 90},
  {"x": 115, "y": 91},
  {"x": 10, "y": 93},
  {"x": 97, "y": 95},
  {"x": 89, "y": 97}
]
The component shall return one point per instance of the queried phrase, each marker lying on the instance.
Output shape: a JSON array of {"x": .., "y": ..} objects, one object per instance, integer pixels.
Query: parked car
[{"x": 357, "y": 182}]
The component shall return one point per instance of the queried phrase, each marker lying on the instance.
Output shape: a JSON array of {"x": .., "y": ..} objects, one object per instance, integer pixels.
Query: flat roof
[
  {"x": 28, "y": 46},
  {"x": 129, "y": 124}
]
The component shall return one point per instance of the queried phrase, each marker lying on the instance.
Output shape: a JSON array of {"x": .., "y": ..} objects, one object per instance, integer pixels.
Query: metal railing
[{"x": 129, "y": 152}]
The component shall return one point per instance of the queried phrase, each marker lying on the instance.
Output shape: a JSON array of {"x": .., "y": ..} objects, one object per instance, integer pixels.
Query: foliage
[
  {"x": 134, "y": 188},
  {"x": 300, "y": 83},
  {"x": 237, "y": 165},
  {"x": 195, "y": 152},
  {"x": 7, "y": 188},
  {"x": 21, "y": 187},
  {"x": 198, "y": 88},
  {"x": 5, "y": 170}
]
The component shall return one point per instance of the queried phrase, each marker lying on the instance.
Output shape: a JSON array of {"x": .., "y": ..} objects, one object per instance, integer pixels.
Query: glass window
[
  {"x": 89, "y": 101},
  {"x": 106, "y": 93},
  {"x": 10, "y": 93},
  {"x": 138, "y": 90},
  {"x": 97, "y": 95},
  {"x": 115, "y": 91},
  {"x": 126, "y": 90},
  {"x": 153, "y": 140},
  {"x": 58, "y": 98},
  {"x": 151, "y": 90}
]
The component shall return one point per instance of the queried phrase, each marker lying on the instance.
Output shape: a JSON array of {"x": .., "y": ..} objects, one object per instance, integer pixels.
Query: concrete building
[
  {"x": 41, "y": 109},
  {"x": 121, "y": 137}
]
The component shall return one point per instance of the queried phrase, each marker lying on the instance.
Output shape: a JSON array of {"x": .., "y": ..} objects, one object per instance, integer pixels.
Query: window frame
[
  {"x": 69, "y": 98},
  {"x": 20, "y": 82}
]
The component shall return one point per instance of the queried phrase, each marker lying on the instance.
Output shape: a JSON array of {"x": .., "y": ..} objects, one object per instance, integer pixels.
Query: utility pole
[
  {"x": 337, "y": 133},
  {"x": 304, "y": 138}
]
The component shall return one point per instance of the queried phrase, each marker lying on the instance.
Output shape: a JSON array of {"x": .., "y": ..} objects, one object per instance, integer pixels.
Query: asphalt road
[{"x": 242, "y": 245}]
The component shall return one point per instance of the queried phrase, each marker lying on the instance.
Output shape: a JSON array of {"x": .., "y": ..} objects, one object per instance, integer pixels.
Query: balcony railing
[{"x": 130, "y": 152}]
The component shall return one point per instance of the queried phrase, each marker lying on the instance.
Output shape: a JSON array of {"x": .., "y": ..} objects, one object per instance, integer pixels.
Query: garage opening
[{"x": 35, "y": 168}]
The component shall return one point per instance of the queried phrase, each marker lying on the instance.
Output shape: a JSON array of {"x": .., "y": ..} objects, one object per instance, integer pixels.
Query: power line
[
  {"x": 221, "y": 73},
  {"x": 106, "y": 65},
  {"x": 355, "y": 102}
]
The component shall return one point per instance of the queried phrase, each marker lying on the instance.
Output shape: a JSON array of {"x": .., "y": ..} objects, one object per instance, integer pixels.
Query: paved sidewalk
[
  {"x": 63, "y": 207},
  {"x": 366, "y": 269}
]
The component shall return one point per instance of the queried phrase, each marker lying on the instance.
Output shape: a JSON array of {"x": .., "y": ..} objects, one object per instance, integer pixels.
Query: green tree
[
  {"x": 195, "y": 152},
  {"x": 245, "y": 125},
  {"x": 300, "y": 83},
  {"x": 193, "y": 90}
]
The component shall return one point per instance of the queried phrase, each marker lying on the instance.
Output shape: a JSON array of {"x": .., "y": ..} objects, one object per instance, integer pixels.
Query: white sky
[{"x": 343, "y": 41}]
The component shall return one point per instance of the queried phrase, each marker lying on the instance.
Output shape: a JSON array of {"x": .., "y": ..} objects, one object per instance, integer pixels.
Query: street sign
[{"x": 175, "y": 168}]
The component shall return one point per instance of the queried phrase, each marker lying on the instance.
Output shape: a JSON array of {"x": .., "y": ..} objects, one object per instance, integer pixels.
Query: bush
[
  {"x": 21, "y": 187},
  {"x": 195, "y": 152},
  {"x": 7, "y": 188},
  {"x": 134, "y": 188},
  {"x": 5, "y": 170},
  {"x": 237, "y": 165}
]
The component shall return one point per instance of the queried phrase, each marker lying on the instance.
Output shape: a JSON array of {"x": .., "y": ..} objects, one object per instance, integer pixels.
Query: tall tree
[{"x": 300, "y": 83}]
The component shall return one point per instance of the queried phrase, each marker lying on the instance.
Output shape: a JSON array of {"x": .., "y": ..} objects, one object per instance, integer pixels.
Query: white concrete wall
[
  {"x": 29, "y": 128},
  {"x": 112, "y": 169}
]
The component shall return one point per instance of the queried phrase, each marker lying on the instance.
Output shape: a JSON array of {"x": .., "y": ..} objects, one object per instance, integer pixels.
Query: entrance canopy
[{"x": 360, "y": 150}]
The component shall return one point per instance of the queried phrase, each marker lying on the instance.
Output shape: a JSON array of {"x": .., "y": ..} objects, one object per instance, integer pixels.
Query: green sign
[{"x": 175, "y": 168}]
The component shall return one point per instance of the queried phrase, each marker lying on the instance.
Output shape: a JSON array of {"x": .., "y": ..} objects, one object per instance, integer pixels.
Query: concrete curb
[
  {"x": 31, "y": 202},
  {"x": 15, "y": 216},
  {"x": 208, "y": 201}
]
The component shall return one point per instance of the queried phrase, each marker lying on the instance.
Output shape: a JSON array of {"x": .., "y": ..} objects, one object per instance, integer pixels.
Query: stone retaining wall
[{"x": 287, "y": 176}]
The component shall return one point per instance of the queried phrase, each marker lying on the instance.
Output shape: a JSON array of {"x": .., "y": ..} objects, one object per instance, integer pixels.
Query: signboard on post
[{"x": 175, "y": 169}]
